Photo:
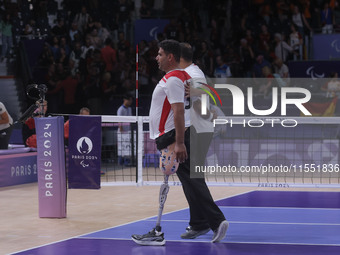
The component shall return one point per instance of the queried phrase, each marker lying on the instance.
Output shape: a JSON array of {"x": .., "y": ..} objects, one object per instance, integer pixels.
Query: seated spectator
[
  {"x": 281, "y": 73},
  {"x": 30, "y": 30},
  {"x": 85, "y": 48},
  {"x": 60, "y": 28},
  {"x": 259, "y": 64},
  {"x": 69, "y": 87},
  {"x": 63, "y": 58},
  {"x": 205, "y": 59},
  {"x": 336, "y": 13},
  {"x": 299, "y": 19},
  {"x": 122, "y": 43},
  {"x": 6, "y": 127},
  {"x": 222, "y": 70},
  {"x": 81, "y": 19},
  {"x": 7, "y": 36},
  {"x": 107, "y": 86},
  {"x": 28, "y": 129},
  {"x": 83, "y": 111},
  {"x": 282, "y": 49},
  {"x": 247, "y": 57},
  {"x": 103, "y": 33},
  {"x": 296, "y": 41},
  {"x": 249, "y": 37},
  {"x": 268, "y": 82},
  {"x": 52, "y": 78},
  {"x": 326, "y": 19},
  {"x": 63, "y": 44},
  {"x": 109, "y": 55},
  {"x": 46, "y": 57},
  {"x": 333, "y": 86},
  {"x": 97, "y": 60},
  {"x": 96, "y": 41},
  {"x": 264, "y": 39},
  {"x": 73, "y": 31},
  {"x": 145, "y": 10},
  {"x": 91, "y": 90},
  {"x": 55, "y": 48},
  {"x": 143, "y": 76},
  {"x": 75, "y": 57}
]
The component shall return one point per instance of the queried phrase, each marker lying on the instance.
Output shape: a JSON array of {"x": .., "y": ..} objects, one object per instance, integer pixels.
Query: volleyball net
[
  {"x": 244, "y": 151},
  {"x": 282, "y": 149}
]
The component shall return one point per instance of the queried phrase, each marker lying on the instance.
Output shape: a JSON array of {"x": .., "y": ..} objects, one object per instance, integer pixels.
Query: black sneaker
[
  {"x": 192, "y": 234},
  {"x": 154, "y": 237},
  {"x": 220, "y": 232}
]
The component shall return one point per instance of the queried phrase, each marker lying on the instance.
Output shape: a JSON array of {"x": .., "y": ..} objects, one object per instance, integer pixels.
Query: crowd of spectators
[{"x": 89, "y": 53}]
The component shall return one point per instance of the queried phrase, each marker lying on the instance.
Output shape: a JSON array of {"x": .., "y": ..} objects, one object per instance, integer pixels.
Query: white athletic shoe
[{"x": 221, "y": 232}]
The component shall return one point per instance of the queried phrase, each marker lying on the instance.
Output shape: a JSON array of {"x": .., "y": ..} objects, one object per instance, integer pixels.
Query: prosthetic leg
[
  {"x": 163, "y": 193},
  {"x": 155, "y": 236},
  {"x": 168, "y": 165}
]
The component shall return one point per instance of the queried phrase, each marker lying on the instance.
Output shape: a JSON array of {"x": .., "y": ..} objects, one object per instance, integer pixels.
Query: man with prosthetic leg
[
  {"x": 168, "y": 165},
  {"x": 170, "y": 127},
  {"x": 168, "y": 123}
]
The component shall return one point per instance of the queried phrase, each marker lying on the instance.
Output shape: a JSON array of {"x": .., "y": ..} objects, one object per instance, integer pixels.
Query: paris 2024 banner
[{"x": 84, "y": 152}]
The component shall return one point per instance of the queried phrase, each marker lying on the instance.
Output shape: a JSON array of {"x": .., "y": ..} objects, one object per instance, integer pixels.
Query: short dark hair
[
  {"x": 84, "y": 109},
  {"x": 108, "y": 41},
  {"x": 171, "y": 47},
  {"x": 127, "y": 97},
  {"x": 186, "y": 51}
]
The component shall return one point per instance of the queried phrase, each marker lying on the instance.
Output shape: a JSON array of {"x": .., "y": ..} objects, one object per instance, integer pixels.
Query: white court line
[
  {"x": 311, "y": 244},
  {"x": 266, "y": 222},
  {"x": 278, "y": 207},
  {"x": 243, "y": 193},
  {"x": 287, "y": 223},
  {"x": 209, "y": 241}
]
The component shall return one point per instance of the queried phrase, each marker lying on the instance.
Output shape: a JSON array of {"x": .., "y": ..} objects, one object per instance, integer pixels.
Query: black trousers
[
  {"x": 5, "y": 135},
  {"x": 204, "y": 213}
]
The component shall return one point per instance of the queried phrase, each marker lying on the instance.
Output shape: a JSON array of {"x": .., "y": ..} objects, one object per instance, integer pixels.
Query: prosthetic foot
[{"x": 155, "y": 236}]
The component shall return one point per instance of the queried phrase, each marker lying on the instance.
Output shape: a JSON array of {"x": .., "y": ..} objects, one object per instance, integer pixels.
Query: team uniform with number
[{"x": 169, "y": 90}]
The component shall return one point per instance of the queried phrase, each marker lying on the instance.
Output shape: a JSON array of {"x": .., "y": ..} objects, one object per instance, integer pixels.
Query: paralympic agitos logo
[
  {"x": 84, "y": 147},
  {"x": 238, "y": 107}
]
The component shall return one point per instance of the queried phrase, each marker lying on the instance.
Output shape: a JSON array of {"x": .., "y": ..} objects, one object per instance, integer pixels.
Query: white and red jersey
[
  {"x": 195, "y": 72},
  {"x": 198, "y": 80},
  {"x": 169, "y": 90}
]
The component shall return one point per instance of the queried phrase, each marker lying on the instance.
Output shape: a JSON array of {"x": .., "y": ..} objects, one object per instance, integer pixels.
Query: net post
[
  {"x": 139, "y": 166},
  {"x": 137, "y": 80},
  {"x": 139, "y": 135}
]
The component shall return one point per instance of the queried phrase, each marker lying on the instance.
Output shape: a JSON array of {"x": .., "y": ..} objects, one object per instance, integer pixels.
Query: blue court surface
[{"x": 261, "y": 222}]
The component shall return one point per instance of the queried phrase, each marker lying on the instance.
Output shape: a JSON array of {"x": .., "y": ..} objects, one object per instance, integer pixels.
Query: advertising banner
[
  {"x": 147, "y": 29},
  {"x": 18, "y": 168},
  {"x": 326, "y": 46},
  {"x": 84, "y": 152},
  {"x": 312, "y": 69},
  {"x": 51, "y": 167}
]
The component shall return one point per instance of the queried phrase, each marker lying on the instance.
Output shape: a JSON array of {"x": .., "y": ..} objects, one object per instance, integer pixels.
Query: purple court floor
[{"x": 261, "y": 223}]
